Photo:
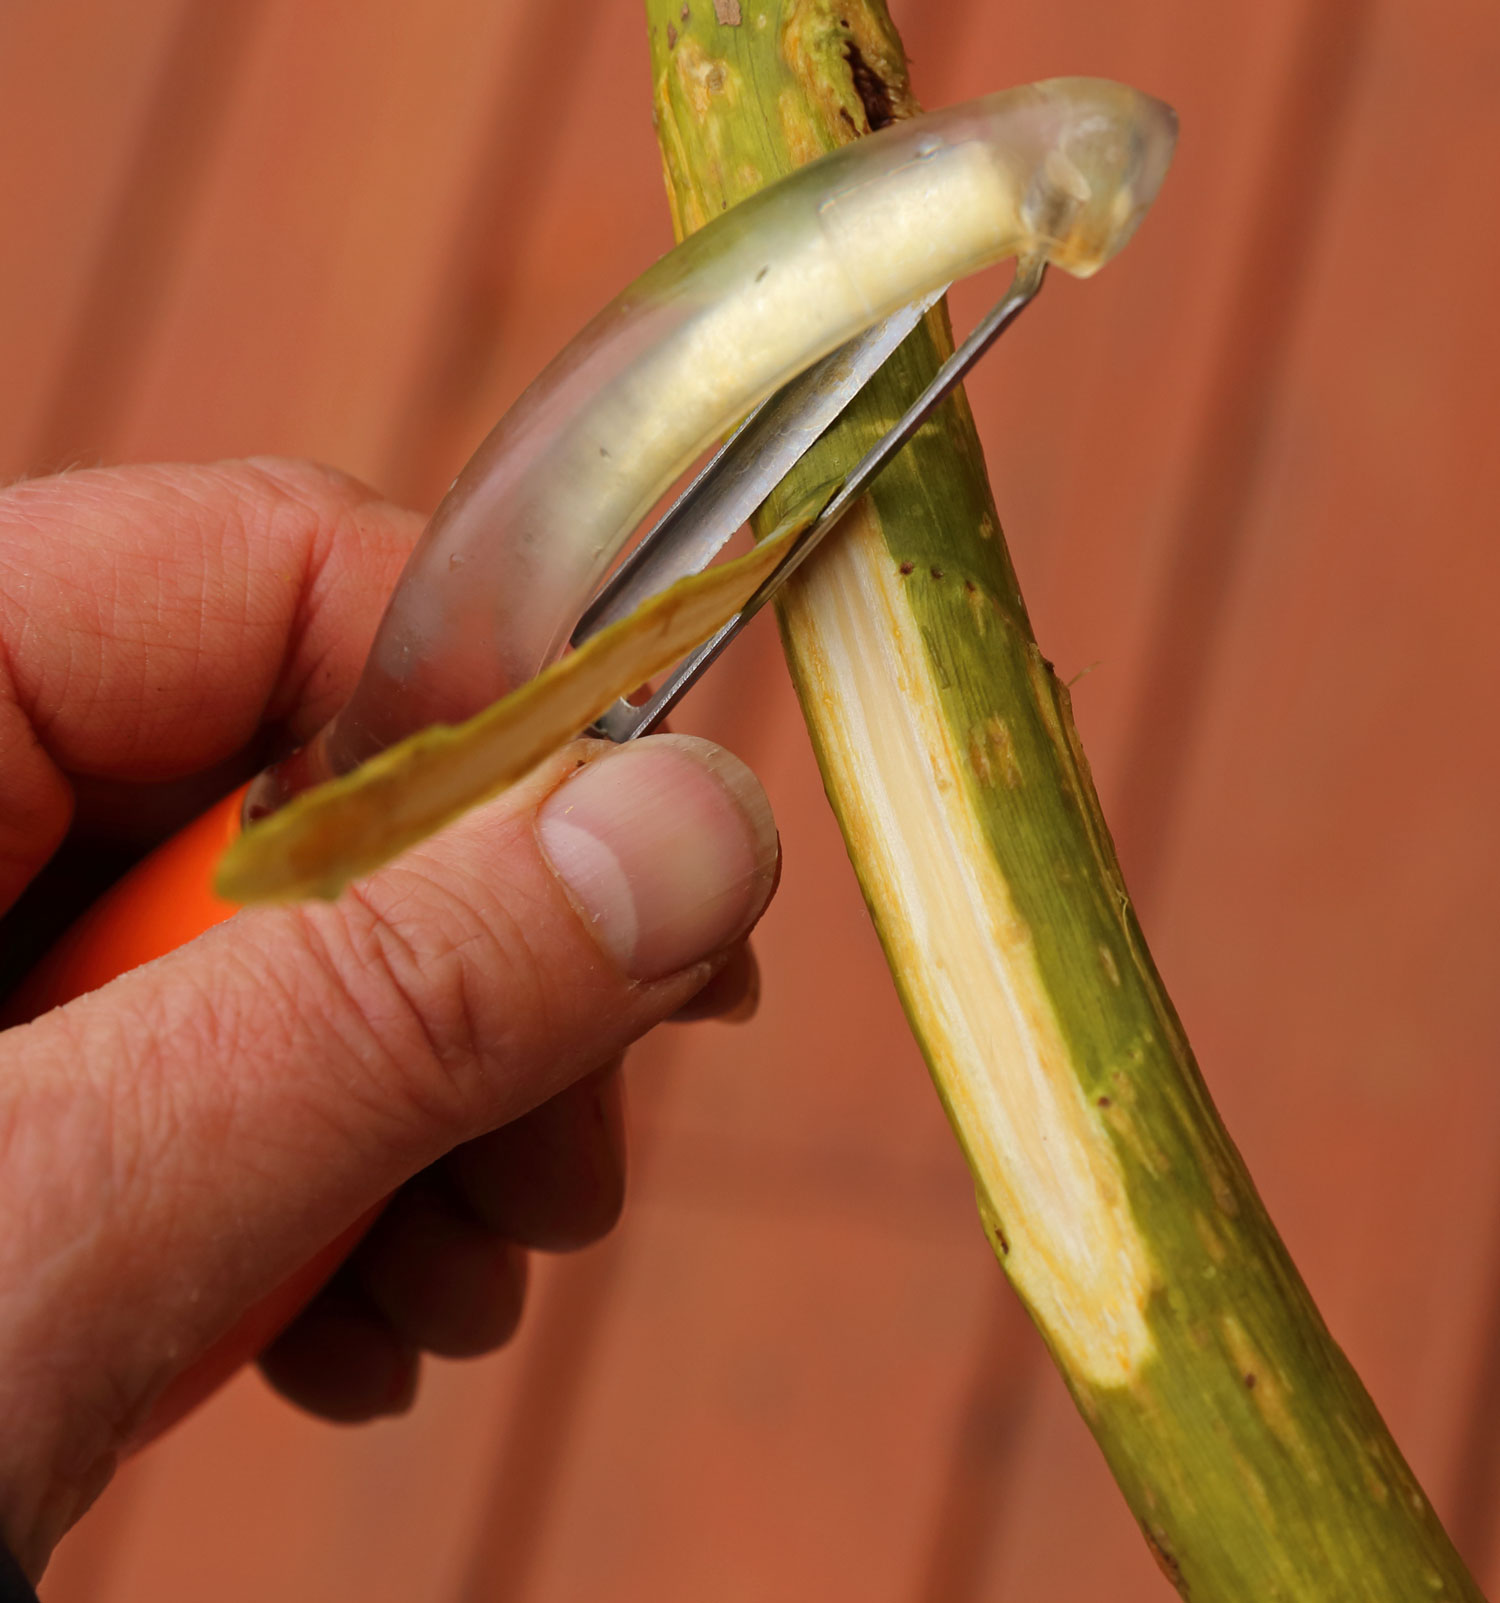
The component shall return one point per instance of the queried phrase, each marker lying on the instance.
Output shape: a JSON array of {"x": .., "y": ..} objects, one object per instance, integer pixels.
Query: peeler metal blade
[
  {"x": 754, "y": 460},
  {"x": 746, "y": 469}
]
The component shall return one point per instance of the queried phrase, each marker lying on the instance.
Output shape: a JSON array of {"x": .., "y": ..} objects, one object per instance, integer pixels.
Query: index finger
[{"x": 152, "y": 619}]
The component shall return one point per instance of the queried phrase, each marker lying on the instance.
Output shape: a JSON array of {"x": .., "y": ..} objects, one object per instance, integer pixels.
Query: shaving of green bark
[{"x": 329, "y": 835}]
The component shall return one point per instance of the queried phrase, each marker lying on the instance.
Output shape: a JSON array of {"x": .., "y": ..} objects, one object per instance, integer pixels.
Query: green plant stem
[{"x": 1248, "y": 1450}]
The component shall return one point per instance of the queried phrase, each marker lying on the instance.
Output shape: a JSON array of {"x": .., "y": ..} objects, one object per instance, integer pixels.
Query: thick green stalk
[{"x": 1243, "y": 1441}]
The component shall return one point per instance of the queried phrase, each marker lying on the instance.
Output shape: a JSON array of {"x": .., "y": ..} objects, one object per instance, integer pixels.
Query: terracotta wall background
[{"x": 1250, "y": 479}]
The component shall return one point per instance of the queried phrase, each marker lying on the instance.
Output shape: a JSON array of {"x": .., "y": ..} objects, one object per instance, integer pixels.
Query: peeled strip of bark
[
  {"x": 349, "y": 826},
  {"x": 1253, "y": 1458},
  {"x": 1063, "y": 169}
]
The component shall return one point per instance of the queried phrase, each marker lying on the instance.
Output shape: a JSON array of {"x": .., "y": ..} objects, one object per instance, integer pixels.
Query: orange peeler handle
[{"x": 162, "y": 903}]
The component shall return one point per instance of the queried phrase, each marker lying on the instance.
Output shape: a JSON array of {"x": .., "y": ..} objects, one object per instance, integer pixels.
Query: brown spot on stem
[
  {"x": 1104, "y": 1102},
  {"x": 671, "y": 37},
  {"x": 998, "y": 733},
  {"x": 727, "y": 12},
  {"x": 908, "y": 567},
  {"x": 1255, "y": 1486},
  {"x": 1227, "y": 1202},
  {"x": 702, "y": 77},
  {"x": 1156, "y": 1540},
  {"x": 1367, "y": 1454},
  {"x": 1213, "y": 1243},
  {"x": 873, "y": 91},
  {"x": 816, "y": 39},
  {"x": 937, "y": 573},
  {"x": 992, "y": 754},
  {"x": 1135, "y": 1140},
  {"x": 1271, "y": 1395}
]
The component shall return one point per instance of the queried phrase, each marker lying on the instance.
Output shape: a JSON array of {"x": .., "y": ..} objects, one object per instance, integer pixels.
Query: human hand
[{"x": 176, "y": 1145}]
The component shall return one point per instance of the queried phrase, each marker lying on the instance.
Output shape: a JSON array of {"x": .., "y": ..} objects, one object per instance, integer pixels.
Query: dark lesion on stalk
[
  {"x": 1166, "y": 1560},
  {"x": 874, "y": 94}
]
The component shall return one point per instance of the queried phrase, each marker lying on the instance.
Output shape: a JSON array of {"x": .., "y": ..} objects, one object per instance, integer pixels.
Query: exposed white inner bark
[{"x": 992, "y": 1037}]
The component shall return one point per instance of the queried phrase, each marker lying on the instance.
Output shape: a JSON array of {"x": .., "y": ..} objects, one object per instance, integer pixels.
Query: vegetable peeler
[{"x": 778, "y": 313}]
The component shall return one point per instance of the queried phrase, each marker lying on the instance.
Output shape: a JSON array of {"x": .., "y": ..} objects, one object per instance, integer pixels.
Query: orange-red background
[{"x": 1250, "y": 473}]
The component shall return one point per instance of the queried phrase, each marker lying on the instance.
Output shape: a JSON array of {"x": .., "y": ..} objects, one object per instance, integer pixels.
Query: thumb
[{"x": 181, "y": 1140}]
